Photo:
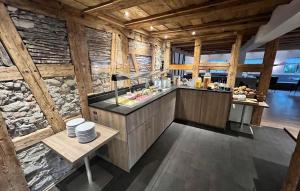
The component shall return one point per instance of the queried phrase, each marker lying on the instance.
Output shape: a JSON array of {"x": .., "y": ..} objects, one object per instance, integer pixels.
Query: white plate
[{"x": 75, "y": 122}]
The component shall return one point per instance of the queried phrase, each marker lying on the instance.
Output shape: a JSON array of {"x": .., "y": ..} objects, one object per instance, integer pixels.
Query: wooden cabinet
[
  {"x": 156, "y": 116},
  {"x": 138, "y": 130},
  {"x": 203, "y": 107}
]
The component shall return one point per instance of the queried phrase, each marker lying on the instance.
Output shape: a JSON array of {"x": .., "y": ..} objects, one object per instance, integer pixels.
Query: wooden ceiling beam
[
  {"x": 261, "y": 19},
  {"x": 206, "y": 9},
  {"x": 58, "y": 10},
  {"x": 114, "y": 5},
  {"x": 101, "y": 6},
  {"x": 176, "y": 13},
  {"x": 208, "y": 37}
]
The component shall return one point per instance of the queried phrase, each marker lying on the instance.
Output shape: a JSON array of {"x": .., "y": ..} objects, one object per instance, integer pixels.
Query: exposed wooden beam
[
  {"x": 175, "y": 13},
  {"x": 21, "y": 57},
  {"x": 46, "y": 70},
  {"x": 235, "y": 24},
  {"x": 203, "y": 10},
  {"x": 167, "y": 56},
  {"x": 101, "y": 6},
  {"x": 32, "y": 138},
  {"x": 110, "y": 20},
  {"x": 58, "y": 10},
  {"x": 265, "y": 77},
  {"x": 250, "y": 67},
  {"x": 235, "y": 52},
  {"x": 292, "y": 181},
  {"x": 114, "y": 5},
  {"x": 80, "y": 59},
  {"x": 11, "y": 174},
  {"x": 205, "y": 38},
  {"x": 197, "y": 56},
  {"x": 204, "y": 66}
]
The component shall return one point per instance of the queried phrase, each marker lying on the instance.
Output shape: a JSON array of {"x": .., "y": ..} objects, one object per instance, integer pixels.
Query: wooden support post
[
  {"x": 153, "y": 57},
  {"x": 197, "y": 57},
  {"x": 11, "y": 174},
  {"x": 23, "y": 61},
  {"x": 80, "y": 59},
  {"x": 167, "y": 56},
  {"x": 125, "y": 53},
  {"x": 292, "y": 181},
  {"x": 235, "y": 53},
  {"x": 113, "y": 57},
  {"x": 136, "y": 65},
  {"x": 265, "y": 77}
]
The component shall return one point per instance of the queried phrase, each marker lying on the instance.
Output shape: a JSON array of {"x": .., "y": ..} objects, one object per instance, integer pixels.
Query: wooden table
[
  {"x": 73, "y": 151},
  {"x": 249, "y": 102}
]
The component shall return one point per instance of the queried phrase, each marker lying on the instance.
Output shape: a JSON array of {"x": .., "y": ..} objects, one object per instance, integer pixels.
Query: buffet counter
[{"x": 139, "y": 126}]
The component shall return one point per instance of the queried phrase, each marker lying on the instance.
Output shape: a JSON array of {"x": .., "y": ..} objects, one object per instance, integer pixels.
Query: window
[
  {"x": 254, "y": 61},
  {"x": 292, "y": 65}
]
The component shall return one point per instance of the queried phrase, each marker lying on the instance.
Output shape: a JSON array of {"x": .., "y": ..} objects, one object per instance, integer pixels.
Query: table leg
[
  {"x": 88, "y": 170},
  {"x": 242, "y": 117}
]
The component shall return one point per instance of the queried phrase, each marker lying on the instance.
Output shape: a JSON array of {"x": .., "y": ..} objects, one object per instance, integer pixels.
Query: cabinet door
[
  {"x": 188, "y": 105},
  {"x": 215, "y": 109}
]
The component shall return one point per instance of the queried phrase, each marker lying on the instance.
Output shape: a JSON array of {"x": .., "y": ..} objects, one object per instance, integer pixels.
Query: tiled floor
[{"x": 188, "y": 158}]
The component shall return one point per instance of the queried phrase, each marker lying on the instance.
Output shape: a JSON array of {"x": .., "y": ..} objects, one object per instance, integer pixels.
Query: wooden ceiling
[{"x": 216, "y": 21}]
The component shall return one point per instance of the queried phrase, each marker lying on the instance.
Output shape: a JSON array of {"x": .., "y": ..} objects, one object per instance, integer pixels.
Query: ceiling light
[
  {"x": 193, "y": 33},
  {"x": 166, "y": 36},
  {"x": 151, "y": 28},
  {"x": 126, "y": 14}
]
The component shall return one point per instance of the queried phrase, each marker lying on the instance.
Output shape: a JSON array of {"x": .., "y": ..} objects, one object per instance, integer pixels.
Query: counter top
[{"x": 123, "y": 110}]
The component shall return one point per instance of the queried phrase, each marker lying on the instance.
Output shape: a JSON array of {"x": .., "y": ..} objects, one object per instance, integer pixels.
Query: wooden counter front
[
  {"x": 137, "y": 130},
  {"x": 203, "y": 107}
]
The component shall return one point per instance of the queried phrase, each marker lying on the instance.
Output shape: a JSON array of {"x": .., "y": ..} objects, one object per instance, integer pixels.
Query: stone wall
[
  {"x": 21, "y": 112},
  {"x": 46, "y": 38},
  {"x": 42, "y": 166},
  {"x": 144, "y": 63},
  {"x": 4, "y": 57},
  {"x": 99, "y": 47},
  {"x": 64, "y": 92}
]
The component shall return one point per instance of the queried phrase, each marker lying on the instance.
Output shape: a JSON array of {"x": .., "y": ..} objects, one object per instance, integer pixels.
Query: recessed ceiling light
[
  {"x": 193, "y": 33},
  {"x": 126, "y": 14},
  {"x": 166, "y": 36},
  {"x": 151, "y": 28}
]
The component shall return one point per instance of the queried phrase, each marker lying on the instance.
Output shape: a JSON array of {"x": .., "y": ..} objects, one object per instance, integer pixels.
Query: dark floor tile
[
  {"x": 169, "y": 182},
  {"x": 189, "y": 158}
]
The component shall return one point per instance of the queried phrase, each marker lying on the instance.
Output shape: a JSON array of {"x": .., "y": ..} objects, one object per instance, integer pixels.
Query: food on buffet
[{"x": 243, "y": 90}]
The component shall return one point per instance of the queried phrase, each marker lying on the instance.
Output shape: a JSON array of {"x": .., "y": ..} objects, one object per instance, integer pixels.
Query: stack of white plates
[
  {"x": 72, "y": 124},
  {"x": 86, "y": 132}
]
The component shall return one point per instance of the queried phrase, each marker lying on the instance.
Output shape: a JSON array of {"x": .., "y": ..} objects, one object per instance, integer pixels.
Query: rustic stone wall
[
  {"x": 42, "y": 166},
  {"x": 144, "y": 63},
  {"x": 4, "y": 57},
  {"x": 64, "y": 92},
  {"x": 46, "y": 38},
  {"x": 21, "y": 112},
  {"x": 99, "y": 47}
]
